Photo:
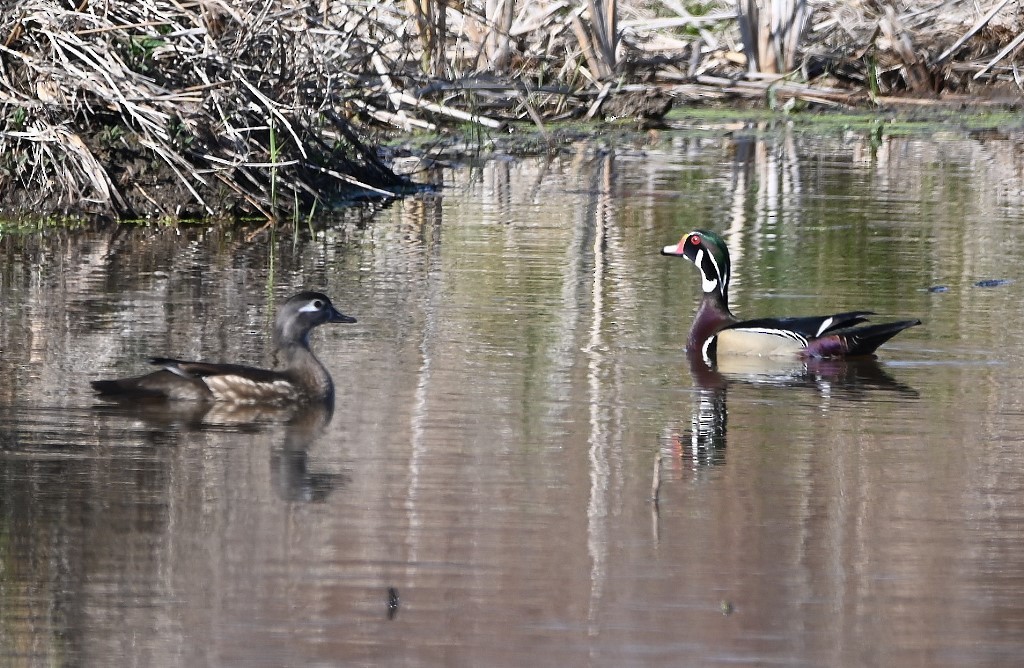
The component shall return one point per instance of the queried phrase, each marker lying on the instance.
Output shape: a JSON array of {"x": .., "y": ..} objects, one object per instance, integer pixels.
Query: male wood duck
[
  {"x": 302, "y": 377},
  {"x": 716, "y": 332}
]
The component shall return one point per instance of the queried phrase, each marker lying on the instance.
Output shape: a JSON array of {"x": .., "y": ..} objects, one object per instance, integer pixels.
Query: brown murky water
[{"x": 482, "y": 493}]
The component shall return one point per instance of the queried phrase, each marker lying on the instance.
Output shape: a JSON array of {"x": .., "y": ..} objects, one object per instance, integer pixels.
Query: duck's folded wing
[
  {"x": 164, "y": 383},
  {"x": 234, "y": 382},
  {"x": 810, "y": 327},
  {"x": 187, "y": 369}
]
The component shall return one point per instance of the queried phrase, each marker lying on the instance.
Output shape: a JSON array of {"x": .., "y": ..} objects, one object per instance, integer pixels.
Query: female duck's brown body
[
  {"x": 717, "y": 332},
  {"x": 302, "y": 377}
]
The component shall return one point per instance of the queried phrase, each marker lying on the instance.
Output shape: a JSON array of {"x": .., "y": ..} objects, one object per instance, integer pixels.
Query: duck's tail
[
  {"x": 125, "y": 387},
  {"x": 857, "y": 340}
]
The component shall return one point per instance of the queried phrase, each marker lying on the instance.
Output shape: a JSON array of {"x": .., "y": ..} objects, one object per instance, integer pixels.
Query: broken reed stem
[{"x": 656, "y": 479}]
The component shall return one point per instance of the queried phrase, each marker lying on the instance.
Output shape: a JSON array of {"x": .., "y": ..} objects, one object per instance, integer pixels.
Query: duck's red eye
[{"x": 695, "y": 240}]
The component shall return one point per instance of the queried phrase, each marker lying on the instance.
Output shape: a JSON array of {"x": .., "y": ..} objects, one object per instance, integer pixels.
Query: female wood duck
[
  {"x": 302, "y": 379},
  {"x": 717, "y": 332}
]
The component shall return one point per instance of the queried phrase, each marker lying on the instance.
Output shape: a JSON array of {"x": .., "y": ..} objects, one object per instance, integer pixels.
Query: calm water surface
[{"x": 513, "y": 391}]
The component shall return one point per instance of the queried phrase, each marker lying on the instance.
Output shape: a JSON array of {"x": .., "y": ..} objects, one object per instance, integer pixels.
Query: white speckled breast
[{"x": 239, "y": 389}]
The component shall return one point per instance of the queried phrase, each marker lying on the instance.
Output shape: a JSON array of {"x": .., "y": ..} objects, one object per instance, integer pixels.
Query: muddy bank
[{"x": 280, "y": 110}]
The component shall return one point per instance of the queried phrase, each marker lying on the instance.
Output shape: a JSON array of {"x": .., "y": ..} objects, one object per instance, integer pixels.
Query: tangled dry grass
[
  {"x": 179, "y": 109},
  {"x": 199, "y": 108}
]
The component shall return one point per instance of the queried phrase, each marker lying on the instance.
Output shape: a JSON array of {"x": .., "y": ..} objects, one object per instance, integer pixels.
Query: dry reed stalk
[
  {"x": 771, "y": 32},
  {"x": 920, "y": 47},
  {"x": 996, "y": 8}
]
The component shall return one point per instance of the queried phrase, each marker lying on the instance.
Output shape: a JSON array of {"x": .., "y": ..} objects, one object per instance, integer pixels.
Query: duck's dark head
[
  {"x": 708, "y": 251},
  {"x": 300, "y": 314}
]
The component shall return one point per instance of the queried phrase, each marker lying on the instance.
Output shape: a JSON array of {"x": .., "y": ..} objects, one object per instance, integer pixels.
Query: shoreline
[{"x": 156, "y": 113}]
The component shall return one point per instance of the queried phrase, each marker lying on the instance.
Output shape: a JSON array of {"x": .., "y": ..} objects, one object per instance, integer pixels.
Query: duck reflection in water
[
  {"x": 289, "y": 462},
  {"x": 292, "y": 430},
  {"x": 852, "y": 379}
]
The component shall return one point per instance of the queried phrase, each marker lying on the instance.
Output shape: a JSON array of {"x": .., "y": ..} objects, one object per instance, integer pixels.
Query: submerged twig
[{"x": 656, "y": 479}]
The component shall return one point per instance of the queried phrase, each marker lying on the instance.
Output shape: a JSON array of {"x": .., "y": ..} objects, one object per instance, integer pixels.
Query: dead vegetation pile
[
  {"x": 199, "y": 108},
  {"x": 930, "y": 51},
  {"x": 857, "y": 54},
  {"x": 162, "y": 108}
]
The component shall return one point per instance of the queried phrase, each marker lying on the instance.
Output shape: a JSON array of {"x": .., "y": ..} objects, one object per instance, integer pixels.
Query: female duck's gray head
[
  {"x": 709, "y": 253},
  {"x": 300, "y": 314}
]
